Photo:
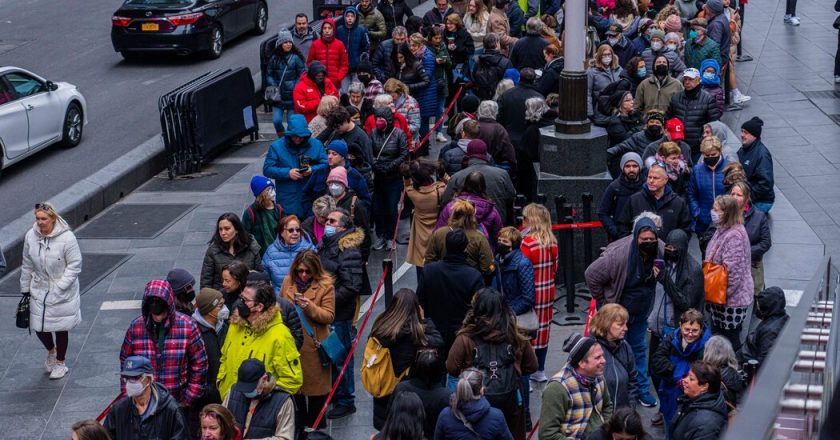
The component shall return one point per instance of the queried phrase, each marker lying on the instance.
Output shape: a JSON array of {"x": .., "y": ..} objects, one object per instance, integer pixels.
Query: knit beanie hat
[
  {"x": 259, "y": 184},
  {"x": 715, "y": 6},
  {"x": 456, "y": 242},
  {"x": 577, "y": 346},
  {"x": 208, "y": 299},
  {"x": 513, "y": 75},
  {"x": 338, "y": 174},
  {"x": 657, "y": 33},
  {"x": 631, "y": 157},
  {"x": 364, "y": 64},
  {"x": 339, "y": 146},
  {"x": 284, "y": 36},
  {"x": 476, "y": 149},
  {"x": 753, "y": 126},
  {"x": 179, "y": 279},
  {"x": 470, "y": 104},
  {"x": 673, "y": 23}
]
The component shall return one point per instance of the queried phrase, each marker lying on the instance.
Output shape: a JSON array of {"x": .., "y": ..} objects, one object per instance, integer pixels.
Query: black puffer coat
[
  {"x": 694, "y": 108},
  {"x": 414, "y": 76},
  {"x": 619, "y": 372},
  {"x": 700, "y": 418},
  {"x": 464, "y": 45},
  {"x": 636, "y": 143},
  {"x": 394, "y": 14},
  {"x": 614, "y": 202},
  {"x": 549, "y": 82},
  {"x": 770, "y": 308},
  {"x": 671, "y": 207},
  {"x": 165, "y": 419},
  {"x": 621, "y": 127},
  {"x": 390, "y": 147},
  {"x": 342, "y": 258}
]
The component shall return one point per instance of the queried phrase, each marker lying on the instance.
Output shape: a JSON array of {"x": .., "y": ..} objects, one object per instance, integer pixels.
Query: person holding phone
[{"x": 626, "y": 274}]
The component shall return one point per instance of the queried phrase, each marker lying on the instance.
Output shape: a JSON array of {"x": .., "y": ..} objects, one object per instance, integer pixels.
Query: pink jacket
[{"x": 731, "y": 247}]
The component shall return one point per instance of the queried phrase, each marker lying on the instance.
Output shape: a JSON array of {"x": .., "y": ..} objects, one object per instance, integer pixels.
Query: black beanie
[
  {"x": 456, "y": 242},
  {"x": 364, "y": 65},
  {"x": 470, "y": 104},
  {"x": 577, "y": 346},
  {"x": 753, "y": 126}
]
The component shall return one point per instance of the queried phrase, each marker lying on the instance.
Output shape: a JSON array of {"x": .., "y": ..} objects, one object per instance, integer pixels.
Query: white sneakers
[
  {"x": 441, "y": 138},
  {"x": 539, "y": 377},
  {"x": 792, "y": 20},
  {"x": 51, "y": 361},
  {"x": 59, "y": 371},
  {"x": 739, "y": 98}
]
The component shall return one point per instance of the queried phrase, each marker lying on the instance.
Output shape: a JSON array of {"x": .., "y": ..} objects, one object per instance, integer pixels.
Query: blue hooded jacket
[
  {"x": 704, "y": 186},
  {"x": 681, "y": 359},
  {"x": 515, "y": 279},
  {"x": 355, "y": 38},
  {"x": 283, "y": 156},
  {"x": 709, "y": 82}
]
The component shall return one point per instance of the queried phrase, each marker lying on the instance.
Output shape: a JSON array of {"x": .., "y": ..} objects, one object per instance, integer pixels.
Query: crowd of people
[{"x": 252, "y": 347}]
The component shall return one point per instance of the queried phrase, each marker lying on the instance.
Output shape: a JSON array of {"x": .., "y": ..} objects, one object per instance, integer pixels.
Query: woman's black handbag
[{"x": 22, "y": 316}]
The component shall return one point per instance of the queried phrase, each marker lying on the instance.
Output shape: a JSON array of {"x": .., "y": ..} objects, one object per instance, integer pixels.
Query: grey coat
[{"x": 596, "y": 80}]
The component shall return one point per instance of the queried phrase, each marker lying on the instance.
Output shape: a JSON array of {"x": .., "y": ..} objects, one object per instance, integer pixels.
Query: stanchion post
[
  {"x": 388, "y": 267},
  {"x": 587, "y": 233},
  {"x": 541, "y": 199},
  {"x": 569, "y": 267},
  {"x": 519, "y": 220},
  {"x": 520, "y": 200},
  {"x": 559, "y": 203}
]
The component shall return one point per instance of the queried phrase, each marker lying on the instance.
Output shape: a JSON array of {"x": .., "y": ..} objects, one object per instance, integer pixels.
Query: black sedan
[{"x": 184, "y": 26}]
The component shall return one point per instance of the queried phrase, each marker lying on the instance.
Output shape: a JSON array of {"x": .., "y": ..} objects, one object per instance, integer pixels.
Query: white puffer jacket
[{"x": 50, "y": 273}]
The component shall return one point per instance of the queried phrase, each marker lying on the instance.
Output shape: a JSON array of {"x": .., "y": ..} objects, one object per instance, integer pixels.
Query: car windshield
[{"x": 159, "y": 2}]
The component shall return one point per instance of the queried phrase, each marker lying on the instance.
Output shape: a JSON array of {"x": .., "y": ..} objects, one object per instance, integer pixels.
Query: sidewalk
[{"x": 167, "y": 224}]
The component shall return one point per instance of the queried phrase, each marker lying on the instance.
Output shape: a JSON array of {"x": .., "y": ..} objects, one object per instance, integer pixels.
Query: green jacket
[
  {"x": 442, "y": 70},
  {"x": 555, "y": 403},
  {"x": 696, "y": 53},
  {"x": 266, "y": 339},
  {"x": 262, "y": 224},
  {"x": 374, "y": 22}
]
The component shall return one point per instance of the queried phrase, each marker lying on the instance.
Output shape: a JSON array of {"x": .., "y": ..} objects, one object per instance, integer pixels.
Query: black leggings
[
  {"x": 308, "y": 408},
  {"x": 62, "y": 339},
  {"x": 790, "y": 7}
]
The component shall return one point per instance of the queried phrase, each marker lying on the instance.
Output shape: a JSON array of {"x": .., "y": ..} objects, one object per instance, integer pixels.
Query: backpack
[
  {"x": 498, "y": 363},
  {"x": 485, "y": 78},
  {"x": 378, "y": 375}
]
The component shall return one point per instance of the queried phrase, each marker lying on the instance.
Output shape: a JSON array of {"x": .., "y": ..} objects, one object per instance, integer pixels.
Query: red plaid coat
[
  {"x": 545, "y": 264},
  {"x": 182, "y": 364}
]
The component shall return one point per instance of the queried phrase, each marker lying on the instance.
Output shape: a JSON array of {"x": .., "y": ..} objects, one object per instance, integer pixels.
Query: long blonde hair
[
  {"x": 49, "y": 209},
  {"x": 539, "y": 221}
]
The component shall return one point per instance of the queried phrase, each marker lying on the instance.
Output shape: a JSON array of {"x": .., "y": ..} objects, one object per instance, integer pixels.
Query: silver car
[{"x": 36, "y": 113}]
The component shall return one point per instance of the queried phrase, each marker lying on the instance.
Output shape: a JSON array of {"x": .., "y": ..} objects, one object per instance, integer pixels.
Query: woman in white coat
[{"x": 50, "y": 274}]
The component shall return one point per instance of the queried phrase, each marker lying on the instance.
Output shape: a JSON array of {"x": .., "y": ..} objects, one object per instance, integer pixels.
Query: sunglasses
[
  {"x": 292, "y": 230},
  {"x": 301, "y": 270},
  {"x": 43, "y": 205}
]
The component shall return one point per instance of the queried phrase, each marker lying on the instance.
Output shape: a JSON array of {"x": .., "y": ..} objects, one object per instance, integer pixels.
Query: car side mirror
[{"x": 51, "y": 86}]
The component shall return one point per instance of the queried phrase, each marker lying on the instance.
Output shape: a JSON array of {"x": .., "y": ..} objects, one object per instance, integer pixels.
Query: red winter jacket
[
  {"x": 307, "y": 96},
  {"x": 331, "y": 54},
  {"x": 399, "y": 122}
]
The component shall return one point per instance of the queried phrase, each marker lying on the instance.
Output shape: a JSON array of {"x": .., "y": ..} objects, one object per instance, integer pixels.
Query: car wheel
[
  {"x": 217, "y": 41},
  {"x": 74, "y": 120},
  {"x": 128, "y": 55},
  {"x": 261, "y": 20}
]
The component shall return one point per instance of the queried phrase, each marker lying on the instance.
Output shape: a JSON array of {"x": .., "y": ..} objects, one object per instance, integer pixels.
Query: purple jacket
[
  {"x": 731, "y": 247},
  {"x": 485, "y": 213}
]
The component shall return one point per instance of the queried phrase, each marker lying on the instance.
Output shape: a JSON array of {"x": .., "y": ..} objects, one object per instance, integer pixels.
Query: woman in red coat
[
  {"x": 313, "y": 85},
  {"x": 331, "y": 52}
]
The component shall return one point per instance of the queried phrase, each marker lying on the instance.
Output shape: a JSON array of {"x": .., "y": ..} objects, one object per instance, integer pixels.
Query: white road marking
[
  {"x": 130, "y": 304},
  {"x": 397, "y": 275},
  {"x": 792, "y": 297}
]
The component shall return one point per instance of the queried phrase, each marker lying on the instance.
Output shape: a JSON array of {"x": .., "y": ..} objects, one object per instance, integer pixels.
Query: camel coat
[
  {"x": 320, "y": 313},
  {"x": 427, "y": 206}
]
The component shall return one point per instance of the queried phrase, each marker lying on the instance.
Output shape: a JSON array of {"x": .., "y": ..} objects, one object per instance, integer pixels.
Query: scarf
[
  {"x": 587, "y": 396},
  {"x": 673, "y": 171},
  {"x": 301, "y": 285},
  {"x": 318, "y": 229}
]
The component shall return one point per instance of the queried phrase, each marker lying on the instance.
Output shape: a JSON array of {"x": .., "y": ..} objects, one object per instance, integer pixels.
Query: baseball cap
[
  {"x": 614, "y": 29},
  {"x": 136, "y": 366},
  {"x": 676, "y": 129},
  {"x": 250, "y": 372},
  {"x": 691, "y": 73}
]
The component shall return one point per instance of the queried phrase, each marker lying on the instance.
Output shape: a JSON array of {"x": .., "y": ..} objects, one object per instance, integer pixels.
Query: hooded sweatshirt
[
  {"x": 640, "y": 284},
  {"x": 485, "y": 421},
  {"x": 355, "y": 38},
  {"x": 770, "y": 308}
]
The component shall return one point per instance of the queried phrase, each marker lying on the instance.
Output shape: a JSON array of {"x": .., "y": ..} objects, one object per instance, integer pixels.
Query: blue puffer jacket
[
  {"x": 355, "y": 39},
  {"x": 702, "y": 193},
  {"x": 279, "y": 256},
  {"x": 284, "y": 72},
  {"x": 283, "y": 156},
  {"x": 428, "y": 98},
  {"x": 515, "y": 278},
  {"x": 487, "y": 422}
]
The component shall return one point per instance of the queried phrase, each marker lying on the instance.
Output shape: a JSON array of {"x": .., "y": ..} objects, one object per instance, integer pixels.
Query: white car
[{"x": 36, "y": 113}]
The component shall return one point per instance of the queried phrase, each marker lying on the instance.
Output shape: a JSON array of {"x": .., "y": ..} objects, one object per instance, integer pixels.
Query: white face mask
[
  {"x": 613, "y": 41},
  {"x": 272, "y": 193},
  {"x": 134, "y": 389},
  {"x": 656, "y": 45},
  {"x": 606, "y": 60},
  {"x": 336, "y": 189},
  {"x": 671, "y": 47},
  {"x": 224, "y": 314}
]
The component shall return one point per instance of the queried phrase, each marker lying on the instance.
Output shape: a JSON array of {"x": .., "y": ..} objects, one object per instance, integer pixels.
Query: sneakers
[
  {"x": 836, "y": 79},
  {"x": 379, "y": 244},
  {"x": 647, "y": 400},
  {"x": 51, "y": 361},
  {"x": 539, "y": 377},
  {"x": 441, "y": 138},
  {"x": 734, "y": 107},
  {"x": 339, "y": 411},
  {"x": 792, "y": 20},
  {"x": 739, "y": 98},
  {"x": 743, "y": 58},
  {"x": 59, "y": 371}
]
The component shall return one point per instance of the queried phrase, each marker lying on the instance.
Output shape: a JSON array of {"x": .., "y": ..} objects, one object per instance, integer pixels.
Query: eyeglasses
[
  {"x": 302, "y": 270},
  {"x": 246, "y": 300},
  {"x": 43, "y": 205},
  {"x": 292, "y": 230}
]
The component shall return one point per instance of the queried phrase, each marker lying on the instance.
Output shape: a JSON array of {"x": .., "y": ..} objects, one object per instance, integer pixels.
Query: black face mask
[
  {"x": 671, "y": 256},
  {"x": 648, "y": 248},
  {"x": 503, "y": 249},
  {"x": 660, "y": 70},
  {"x": 711, "y": 161},
  {"x": 244, "y": 311},
  {"x": 654, "y": 131},
  {"x": 365, "y": 79},
  {"x": 187, "y": 296},
  {"x": 156, "y": 307}
]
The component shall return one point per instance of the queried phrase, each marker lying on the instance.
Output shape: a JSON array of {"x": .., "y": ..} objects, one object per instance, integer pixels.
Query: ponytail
[{"x": 468, "y": 389}]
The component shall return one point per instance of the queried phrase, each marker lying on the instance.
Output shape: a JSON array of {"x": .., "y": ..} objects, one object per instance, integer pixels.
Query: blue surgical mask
[
  {"x": 692, "y": 34},
  {"x": 708, "y": 75},
  {"x": 329, "y": 230},
  {"x": 642, "y": 72},
  {"x": 715, "y": 217}
]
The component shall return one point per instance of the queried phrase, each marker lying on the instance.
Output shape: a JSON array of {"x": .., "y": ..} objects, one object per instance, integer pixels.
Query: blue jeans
[
  {"x": 344, "y": 394},
  {"x": 441, "y": 108},
  {"x": 277, "y": 116},
  {"x": 386, "y": 196},
  {"x": 636, "y": 333},
  {"x": 541, "y": 355},
  {"x": 763, "y": 206}
]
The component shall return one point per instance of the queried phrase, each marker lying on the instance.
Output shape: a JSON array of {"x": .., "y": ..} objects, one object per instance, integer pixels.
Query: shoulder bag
[
  {"x": 715, "y": 281},
  {"x": 22, "y": 315},
  {"x": 331, "y": 351}
]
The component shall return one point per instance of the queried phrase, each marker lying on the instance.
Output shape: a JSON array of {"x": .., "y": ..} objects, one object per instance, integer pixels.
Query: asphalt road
[{"x": 70, "y": 40}]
